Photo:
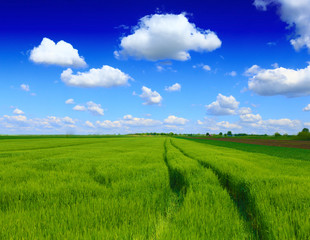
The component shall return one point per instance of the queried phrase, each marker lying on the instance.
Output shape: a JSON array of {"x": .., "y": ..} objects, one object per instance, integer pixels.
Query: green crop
[{"x": 59, "y": 187}]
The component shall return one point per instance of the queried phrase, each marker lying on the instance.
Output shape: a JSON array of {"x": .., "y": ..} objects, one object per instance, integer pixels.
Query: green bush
[{"x": 303, "y": 135}]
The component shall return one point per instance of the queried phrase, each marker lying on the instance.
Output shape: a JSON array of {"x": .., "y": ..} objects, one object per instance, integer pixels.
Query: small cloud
[
  {"x": 89, "y": 124},
  {"x": 159, "y": 68},
  {"x": 175, "y": 87},
  {"x": 307, "y": 108},
  {"x": 207, "y": 67},
  {"x": 232, "y": 73},
  {"x": 79, "y": 108},
  {"x": 70, "y": 101},
  {"x": 92, "y": 107},
  {"x": 95, "y": 108},
  {"x": 275, "y": 65},
  {"x": 173, "y": 120},
  {"x": 203, "y": 66},
  {"x": 150, "y": 97},
  {"x": 25, "y": 87},
  {"x": 18, "y": 111},
  {"x": 223, "y": 106},
  {"x": 270, "y": 44}
]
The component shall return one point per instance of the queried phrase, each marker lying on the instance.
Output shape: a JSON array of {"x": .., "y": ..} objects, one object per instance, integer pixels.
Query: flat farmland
[{"x": 150, "y": 188}]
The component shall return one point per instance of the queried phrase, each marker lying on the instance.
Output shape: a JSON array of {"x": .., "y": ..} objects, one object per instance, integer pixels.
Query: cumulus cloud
[
  {"x": 150, "y": 97},
  {"x": 89, "y": 124},
  {"x": 92, "y": 107},
  {"x": 295, "y": 13},
  {"x": 109, "y": 124},
  {"x": 249, "y": 117},
  {"x": 129, "y": 120},
  {"x": 173, "y": 120},
  {"x": 307, "y": 108},
  {"x": 166, "y": 36},
  {"x": 25, "y": 87},
  {"x": 95, "y": 108},
  {"x": 96, "y": 77},
  {"x": 18, "y": 111},
  {"x": 62, "y": 54},
  {"x": 175, "y": 87},
  {"x": 20, "y": 123},
  {"x": 223, "y": 106},
  {"x": 79, "y": 108},
  {"x": 244, "y": 110},
  {"x": 70, "y": 101},
  {"x": 279, "y": 81},
  {"x": 228, "y": 125}
]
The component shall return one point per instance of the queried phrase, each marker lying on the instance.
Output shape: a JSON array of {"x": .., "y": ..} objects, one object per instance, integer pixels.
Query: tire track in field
[
  {"x": 177, "y": 181},
  {"x": 239, "y": 194}
]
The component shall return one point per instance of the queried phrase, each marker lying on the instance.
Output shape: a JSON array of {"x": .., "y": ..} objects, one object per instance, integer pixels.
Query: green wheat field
[{"x": 143, "y": 187}]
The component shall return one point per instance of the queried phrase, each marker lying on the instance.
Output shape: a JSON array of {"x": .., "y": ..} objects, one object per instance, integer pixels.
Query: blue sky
[{"x": 88, "y": 67}]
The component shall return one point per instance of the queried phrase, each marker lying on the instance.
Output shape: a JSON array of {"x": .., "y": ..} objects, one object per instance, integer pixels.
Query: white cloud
[
  {"x": 173, "y": 120},
  {"x": 150, "y": 97},
  {"x": 79, "y": 108},
  {"x": 109, "y": 124},
  {"x": 232, "y": 73},
  {"x": 244, "y": 110},
  {"x": 307, "y": 124},
  {"x": 296, "y": 13},
  {"x": 228, "y": 125},
  {"x": 279, "y": 81},
  {"x": 16, "y": 119},
  {"x": 89, "y": 124},
  {"x": 166, "y": 36},
  {"x": 70, "y": 101},
  {"x": 96, "y": 77},
  {"x": 307, "y": 108},
  {"x": 129, "y": 121},
  {"x": 134, "y": 121},
  {"x": 92, "y": 107},
  {"x": 175, "y": 87},
  {"x": 62, "y": 54},
  {"x": 18, "y": 111},
  {"x": 249, "y": 117},
  {"x": 25, "y": 87},
  {"x": 95, "y": 108},
  {"x": 160, "y": 68},
  {"x": 223, "y": 106},
  {"x": 285, "y": 122},
  {"x": 207, "y": 67}
]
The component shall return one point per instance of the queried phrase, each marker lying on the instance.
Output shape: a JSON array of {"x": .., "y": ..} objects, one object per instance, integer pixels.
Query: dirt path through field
[{"x": 267, "y": 142}]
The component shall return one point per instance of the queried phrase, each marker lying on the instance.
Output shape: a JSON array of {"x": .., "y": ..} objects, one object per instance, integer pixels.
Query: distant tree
[
  {"x": 221, "y": 134},
  {"x": 229, "y": 133},
  {"x": 207, "y": 134},
  {"x": 225, "y": 134},
  {"x": 305, "y": 130},
  {"x": 277, "y": 134}
]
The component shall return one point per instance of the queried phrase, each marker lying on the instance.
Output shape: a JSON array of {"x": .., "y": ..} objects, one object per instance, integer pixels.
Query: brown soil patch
[{"x": 267, "y": 142}]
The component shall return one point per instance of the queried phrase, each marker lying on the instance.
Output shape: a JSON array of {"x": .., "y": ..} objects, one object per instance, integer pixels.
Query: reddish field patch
[{"x": 267, "y": 142}]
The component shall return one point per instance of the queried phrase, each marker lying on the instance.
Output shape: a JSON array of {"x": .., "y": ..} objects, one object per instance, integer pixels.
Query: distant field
[
  {"x": 261, "y": 141},
  {"x": 122, "y": 187}
]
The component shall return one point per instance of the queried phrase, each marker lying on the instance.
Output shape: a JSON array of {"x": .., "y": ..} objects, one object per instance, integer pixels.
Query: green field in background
[{"x": 150, "y": 188}]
